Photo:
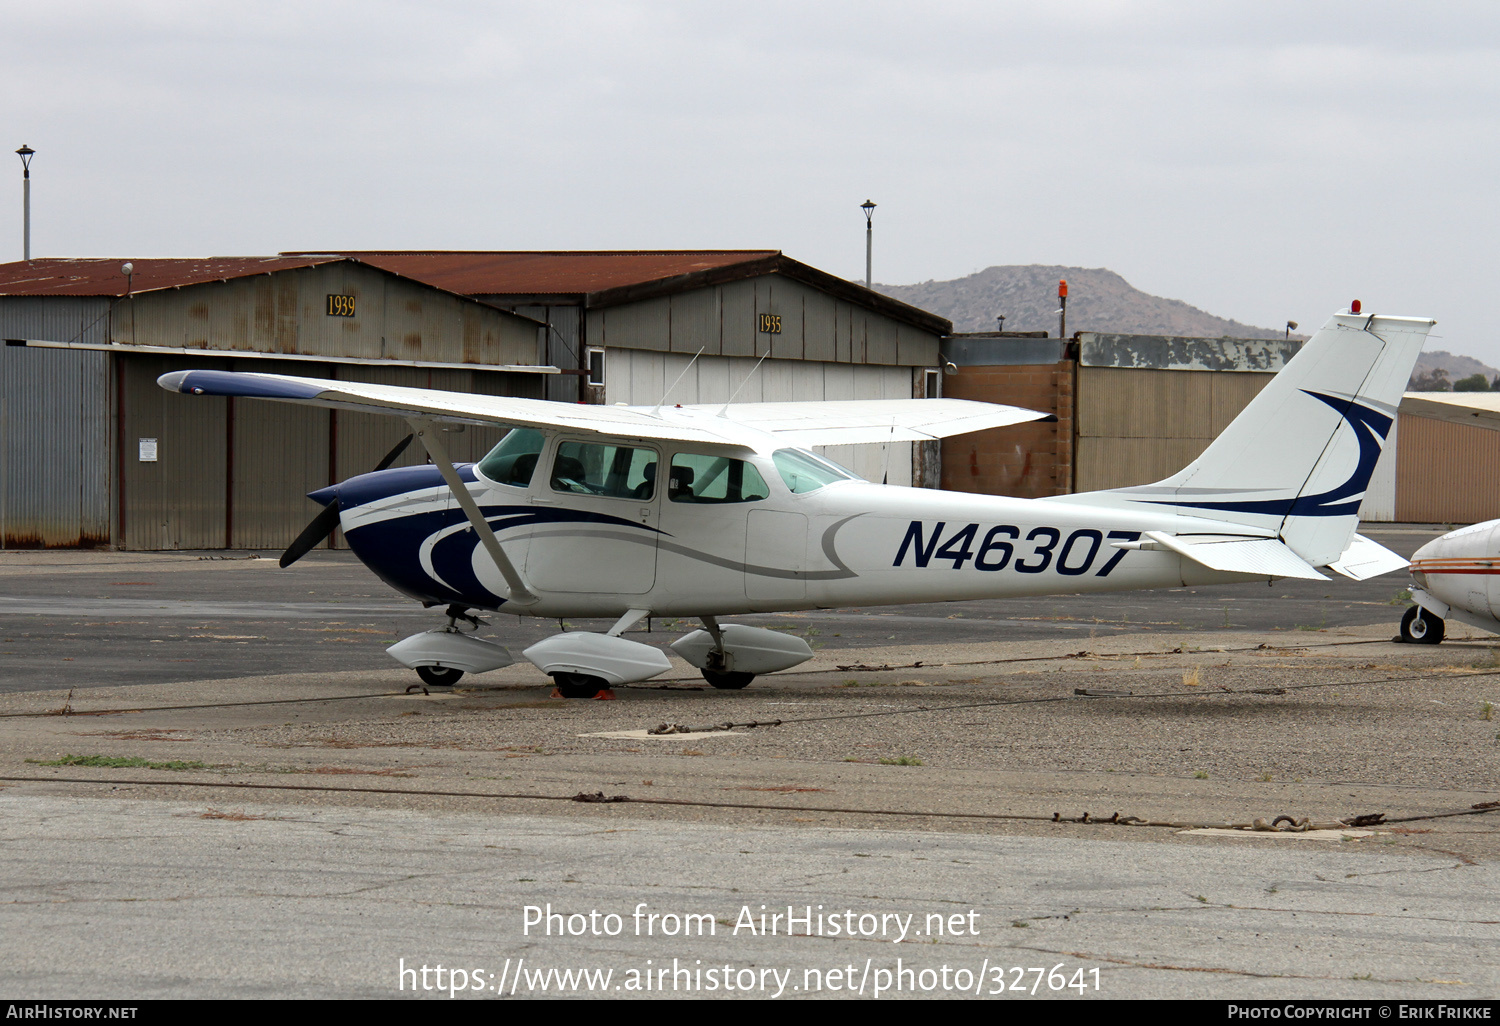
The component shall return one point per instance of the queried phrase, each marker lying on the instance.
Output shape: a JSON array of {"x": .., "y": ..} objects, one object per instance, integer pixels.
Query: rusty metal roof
[
  {"x": 550, "y": 272},
  {"x": 597, "y": 278},
  {"x": 101, "y": 276}
]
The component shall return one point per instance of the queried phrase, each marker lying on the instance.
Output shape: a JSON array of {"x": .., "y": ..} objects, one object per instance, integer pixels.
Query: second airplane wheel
[
  {"x": 1419, "y": 627},
  {"x": 727, "y": 681},
  {"x": 439, "y": 676},
  {"x": 579, "y": 685}
]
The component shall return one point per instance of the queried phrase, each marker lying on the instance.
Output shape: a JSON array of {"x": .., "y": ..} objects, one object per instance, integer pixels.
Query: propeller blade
[
  {"x": 312, "y": 535},
  {"x": 392, "y": 456},
  {"x": 327, "y": 521}
]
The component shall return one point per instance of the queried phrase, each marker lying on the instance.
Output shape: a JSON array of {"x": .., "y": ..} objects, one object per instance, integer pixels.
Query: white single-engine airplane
[
  {"x": 708, "y": 511},
  {"x": 1456, "y": 576}
]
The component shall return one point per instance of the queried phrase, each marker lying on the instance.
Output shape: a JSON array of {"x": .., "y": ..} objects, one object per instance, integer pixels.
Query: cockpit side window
[
  {"x": 513, "y": 461},
  {"x": 697, "y": 477},
  {"x": 804, "y": 471}
]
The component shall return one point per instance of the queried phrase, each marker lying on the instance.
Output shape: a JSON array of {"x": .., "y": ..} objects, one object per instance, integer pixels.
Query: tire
[
  {"x": 579, "y": 685},
  {"x": 439, "y": 676},
  {"x": 726, "y": 680},
  {"x": 1420, "y": 627}
]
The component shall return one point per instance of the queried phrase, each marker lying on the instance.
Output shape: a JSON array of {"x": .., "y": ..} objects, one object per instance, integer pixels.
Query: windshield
[
  {"x": 514, "y": 459},
  {"x": 804, "y": 471}
]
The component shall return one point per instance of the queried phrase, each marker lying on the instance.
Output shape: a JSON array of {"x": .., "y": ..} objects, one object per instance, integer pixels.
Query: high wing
[
  {"x": 856, "y": 421},
  {"x": 752, "y": 425},
  {"x": 1479, "y": 408}
]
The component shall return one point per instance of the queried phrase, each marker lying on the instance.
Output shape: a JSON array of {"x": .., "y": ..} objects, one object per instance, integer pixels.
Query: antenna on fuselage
[
  {"x": 657, "y": 408},
  {"x": 737, "y": 391}
]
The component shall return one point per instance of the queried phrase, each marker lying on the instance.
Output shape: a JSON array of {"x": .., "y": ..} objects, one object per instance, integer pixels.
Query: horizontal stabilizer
[
  {"x": 1364, "y": 559},
  {"x": 1237, "y": 554}
]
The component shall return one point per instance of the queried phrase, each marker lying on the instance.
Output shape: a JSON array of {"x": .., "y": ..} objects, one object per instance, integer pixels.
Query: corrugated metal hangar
[
  {"x": 633, "y": 321},
  {"x": 96, "y": 454}
]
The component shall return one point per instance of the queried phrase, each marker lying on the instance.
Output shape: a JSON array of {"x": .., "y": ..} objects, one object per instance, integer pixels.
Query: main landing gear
[
  {"x": 583, "y": 664},
  {"x": 1420, "y": 627}
]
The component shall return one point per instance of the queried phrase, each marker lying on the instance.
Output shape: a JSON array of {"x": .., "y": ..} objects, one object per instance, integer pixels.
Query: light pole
[
  {"x": 869, "y": 209},
  {"x": 25, "y": 153}
]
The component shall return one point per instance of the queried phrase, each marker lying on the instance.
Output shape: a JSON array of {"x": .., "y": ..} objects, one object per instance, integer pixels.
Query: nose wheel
[{"x": 1420, "y": 627}]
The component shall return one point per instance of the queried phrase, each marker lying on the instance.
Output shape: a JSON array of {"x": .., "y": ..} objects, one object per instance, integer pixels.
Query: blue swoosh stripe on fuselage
[
  {"x": 392, "y": 548},
  {"x": 1367, "y": 424}
]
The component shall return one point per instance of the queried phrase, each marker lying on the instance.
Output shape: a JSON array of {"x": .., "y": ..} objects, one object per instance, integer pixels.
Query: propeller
[{"x": 327, "y": 521}]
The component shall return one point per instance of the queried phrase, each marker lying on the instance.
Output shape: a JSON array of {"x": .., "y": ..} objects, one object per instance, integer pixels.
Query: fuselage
[
  {"x": 774, "y": 533},
  {"x": 1458, "y": 575}
]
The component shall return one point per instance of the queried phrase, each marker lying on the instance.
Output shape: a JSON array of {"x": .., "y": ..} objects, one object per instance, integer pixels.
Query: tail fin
[{"x": 1298, "y": 458}]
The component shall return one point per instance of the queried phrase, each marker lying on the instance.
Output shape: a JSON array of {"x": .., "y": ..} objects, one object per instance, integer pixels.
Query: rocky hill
[
  {"x": 1098, "y": 300},
  {"x": 1457, "y": 368}
]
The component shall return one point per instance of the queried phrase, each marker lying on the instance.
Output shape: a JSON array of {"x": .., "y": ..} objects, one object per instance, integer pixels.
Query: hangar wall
[
  {"x": 1139, "y": 426},
  {"x": 726, "y": 320},
  {"x": 1446, "y": 473},
  {"x": 287, "y": 312},
  {"x": 54, "y": 470}
]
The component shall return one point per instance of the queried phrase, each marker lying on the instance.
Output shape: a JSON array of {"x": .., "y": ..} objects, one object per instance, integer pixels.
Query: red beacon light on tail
[{"x": 1354, "y": 307}]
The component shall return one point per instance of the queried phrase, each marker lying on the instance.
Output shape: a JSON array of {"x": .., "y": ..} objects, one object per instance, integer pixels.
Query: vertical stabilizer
[{"x": 1298, "y": 458}]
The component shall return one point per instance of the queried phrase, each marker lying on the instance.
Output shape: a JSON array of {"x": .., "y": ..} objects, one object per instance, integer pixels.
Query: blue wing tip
[{"x": 229, "y": 383}]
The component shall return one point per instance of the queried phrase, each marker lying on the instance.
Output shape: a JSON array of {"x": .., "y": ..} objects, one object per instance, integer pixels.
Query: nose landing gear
[{"x": 441, "y": 657}]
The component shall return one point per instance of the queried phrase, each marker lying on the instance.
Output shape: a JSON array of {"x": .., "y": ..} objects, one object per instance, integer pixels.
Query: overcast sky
[{"x": 1263, "y": 161}]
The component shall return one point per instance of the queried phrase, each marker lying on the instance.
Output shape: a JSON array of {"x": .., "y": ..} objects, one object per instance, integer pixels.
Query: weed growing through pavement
[
  {"x": 119, "y": 762},
  {"x": 904, "y": 760},
  {"x": 1486, "y": 711},
  {"x": 1200, "y": 775},
  {"x": 1192, "y": 677}
]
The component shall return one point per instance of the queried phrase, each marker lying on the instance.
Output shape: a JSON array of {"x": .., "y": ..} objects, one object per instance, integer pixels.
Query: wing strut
[{"x": 431, "y": 438}]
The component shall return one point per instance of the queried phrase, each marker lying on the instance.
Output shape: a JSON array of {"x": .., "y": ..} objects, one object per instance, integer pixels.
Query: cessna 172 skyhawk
[{"x": 708, "y": 512}]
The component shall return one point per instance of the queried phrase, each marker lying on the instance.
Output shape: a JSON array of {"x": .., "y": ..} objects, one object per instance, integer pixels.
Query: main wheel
[
  {"x": 439, "y": 676},
  {"x": 579, "y": 685},
  {"x": 1420, "y": 627},
  {"x": 726, "y": 680}
]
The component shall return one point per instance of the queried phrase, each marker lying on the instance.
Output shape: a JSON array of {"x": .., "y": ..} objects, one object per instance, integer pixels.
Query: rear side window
[
  {"x": 616, "y": 471},
  {"x": 708, "y": 479}
]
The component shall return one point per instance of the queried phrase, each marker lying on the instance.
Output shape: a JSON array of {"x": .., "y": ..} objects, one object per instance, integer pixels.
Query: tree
[
  {"x": 1435, "y": 380},
  {"x": 1472, "y": 383}
]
